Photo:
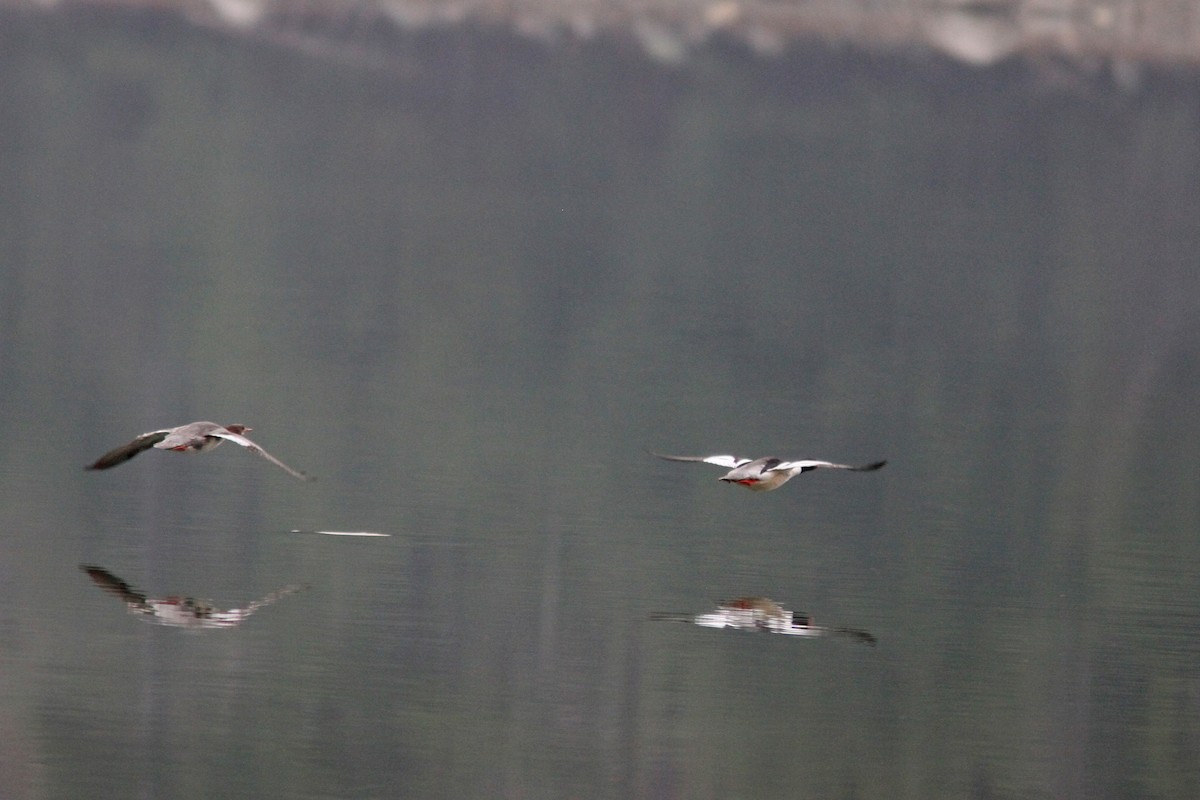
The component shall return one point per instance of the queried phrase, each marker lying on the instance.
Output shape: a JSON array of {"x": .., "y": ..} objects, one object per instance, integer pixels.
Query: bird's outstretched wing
[
  {"x": 728, "y": 462},
  {"x": 120, "y": 455},
  {"x": 252, "y": 447},
  {"x": 806, "y": 465}
]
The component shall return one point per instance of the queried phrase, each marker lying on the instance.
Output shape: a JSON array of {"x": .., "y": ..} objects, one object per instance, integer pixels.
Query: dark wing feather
[
  {"x": 120, "y": 455},
  {"x": 766, "y": 464},
  {"x": 809, "y": 466}
]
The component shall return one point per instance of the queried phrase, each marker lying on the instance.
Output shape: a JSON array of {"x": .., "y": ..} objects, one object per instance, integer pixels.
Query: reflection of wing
[
  {"x": 252, "y": 447},
  {"x": 114, "y": 585},
  {"x": 273, "y": 597},
  {"x": 119, "y": 455},
  {"x": 236, "y": 616},
  {"x": 866, "y": 637},
  {"x": 728, "y": 462}
]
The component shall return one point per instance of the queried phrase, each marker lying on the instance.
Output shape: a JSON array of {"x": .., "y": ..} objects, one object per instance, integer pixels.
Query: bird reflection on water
[
  {"x": 176, "y": 611},
  {"x": 764, "y": 615}
]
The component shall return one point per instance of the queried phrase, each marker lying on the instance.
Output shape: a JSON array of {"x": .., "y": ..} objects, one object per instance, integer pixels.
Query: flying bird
[
  {"x": 764, "y": 615},
  {"x": 765, "y": 474},
  {"x": 195, "y": 437}
]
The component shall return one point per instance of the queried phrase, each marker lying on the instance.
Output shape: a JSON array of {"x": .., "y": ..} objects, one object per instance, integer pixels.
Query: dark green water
[{"x": 467, "y": 292}]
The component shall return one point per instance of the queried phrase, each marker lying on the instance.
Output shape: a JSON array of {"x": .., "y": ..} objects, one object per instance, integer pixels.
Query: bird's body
[
  {"x": 764, "y": 615},
  {"x": 195, "y": 437},
  {"x": 765, "y": 474}
]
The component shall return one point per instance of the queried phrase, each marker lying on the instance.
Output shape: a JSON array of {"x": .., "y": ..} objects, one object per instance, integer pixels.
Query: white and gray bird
[
  {"x": 765, "y": 474},
  {"x": 195, "y": 437}
]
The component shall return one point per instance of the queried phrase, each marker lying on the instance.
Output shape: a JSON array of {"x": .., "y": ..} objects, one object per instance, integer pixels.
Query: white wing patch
[
  {"x": 233, "y": 437},
  {"x": 728, "y": 462},
  {"x": 252, "y": 447},
  {"x": 789, "y": 466}
]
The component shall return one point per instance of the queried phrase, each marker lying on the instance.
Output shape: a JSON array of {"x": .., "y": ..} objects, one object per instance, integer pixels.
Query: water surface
[{"x": 469, "y": 295}]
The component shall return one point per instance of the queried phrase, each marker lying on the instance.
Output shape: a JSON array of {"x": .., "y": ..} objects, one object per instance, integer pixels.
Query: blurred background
[{"x": 467, "y": 262}]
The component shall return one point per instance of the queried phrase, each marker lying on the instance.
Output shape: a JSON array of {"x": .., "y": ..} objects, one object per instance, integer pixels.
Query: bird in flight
[
  {"x": 764, "y": 615},
  {"x": 765, "y": 474},
  {"x": 195, "y": 437}
]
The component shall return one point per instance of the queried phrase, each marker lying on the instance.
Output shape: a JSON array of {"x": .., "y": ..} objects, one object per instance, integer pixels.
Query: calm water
[{"x": 468, "y": 295}]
